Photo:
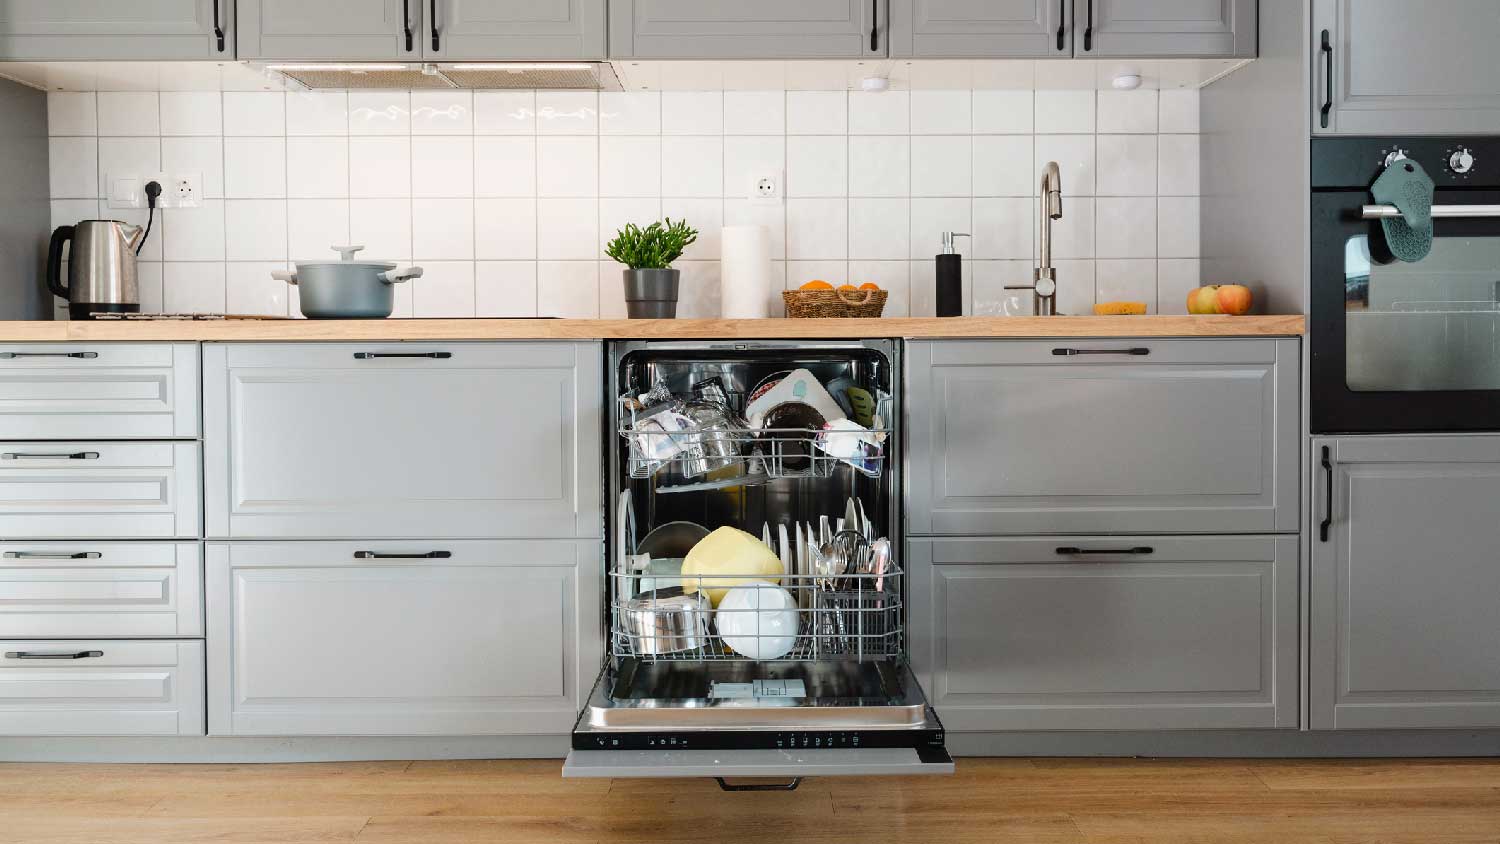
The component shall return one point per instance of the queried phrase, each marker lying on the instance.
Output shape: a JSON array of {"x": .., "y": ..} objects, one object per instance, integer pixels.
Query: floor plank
[{"x": 1035, "y": 801}]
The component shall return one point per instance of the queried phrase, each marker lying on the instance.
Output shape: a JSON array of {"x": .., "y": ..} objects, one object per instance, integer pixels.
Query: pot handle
[
  {"x": 288, "y": 276},
  {"x": 400, "y": 274}
]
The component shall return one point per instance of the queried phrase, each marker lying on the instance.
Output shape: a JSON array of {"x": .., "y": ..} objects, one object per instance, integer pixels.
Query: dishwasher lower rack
[{"x": 854, "y": 616}]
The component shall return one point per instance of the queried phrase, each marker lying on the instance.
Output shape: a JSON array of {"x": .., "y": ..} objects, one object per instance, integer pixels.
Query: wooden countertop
[{"x": 667, "y": 329}]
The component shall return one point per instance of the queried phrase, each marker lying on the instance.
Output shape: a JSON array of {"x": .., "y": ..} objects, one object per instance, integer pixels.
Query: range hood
[{"x": 588, "y": 76}]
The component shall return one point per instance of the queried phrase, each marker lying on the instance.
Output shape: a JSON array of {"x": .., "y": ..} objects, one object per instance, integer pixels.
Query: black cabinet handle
[
  {"x": 1137, "y": 351},
  {"x": 1327, "y": 81},
  {"x": 377, "y": 555},
  {"x": 52, "y": 555},
  {"x": 76, "y": 355},
  {"x": 406, "y": 23},
  {"x": 52, "y": 654},
  {"x": 1062, "y": 23},
  {"x": 33, "y": 455},
  {"x": 1070, "y": 550},
  {"x": 376, "y": 355},
  {"x": 790, "y": 785},
  {"x": 437, "y": 42},
  {"x": 218, "y": 29},
  {"x": 1327, "y": 522},
  {"x": 1088, "y": 32},
  {"x": 874, "y": 25}
]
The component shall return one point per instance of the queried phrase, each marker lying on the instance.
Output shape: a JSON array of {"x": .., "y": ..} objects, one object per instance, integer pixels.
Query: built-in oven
[{"x": 1397, "y": 346}]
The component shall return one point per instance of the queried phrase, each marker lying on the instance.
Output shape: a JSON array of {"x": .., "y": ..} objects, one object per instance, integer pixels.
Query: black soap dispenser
[{"x": 950, "y": 278}]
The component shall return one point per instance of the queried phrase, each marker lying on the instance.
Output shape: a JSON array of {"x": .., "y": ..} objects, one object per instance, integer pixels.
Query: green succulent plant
[{"x": 654, "y": 247}]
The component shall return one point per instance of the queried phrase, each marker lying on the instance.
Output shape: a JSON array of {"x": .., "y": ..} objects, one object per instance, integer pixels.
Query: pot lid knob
[{"x": 346, "y": 253}]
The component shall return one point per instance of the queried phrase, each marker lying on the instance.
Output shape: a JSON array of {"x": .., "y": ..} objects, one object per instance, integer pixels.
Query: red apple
[{"x": 1233, "y": 299}]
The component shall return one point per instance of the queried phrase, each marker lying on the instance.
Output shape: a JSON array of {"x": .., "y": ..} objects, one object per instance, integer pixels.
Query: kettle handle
[{"x": 60, "y": 235}]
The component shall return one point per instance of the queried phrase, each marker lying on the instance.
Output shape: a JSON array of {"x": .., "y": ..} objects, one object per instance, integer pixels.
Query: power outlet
[
  {"x": 184, "y": 189},
  {"x": 766, "y": 187}
]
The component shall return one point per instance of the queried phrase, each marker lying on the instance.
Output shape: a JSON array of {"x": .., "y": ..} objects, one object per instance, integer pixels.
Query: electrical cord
[{"x": 153, "y": 190}]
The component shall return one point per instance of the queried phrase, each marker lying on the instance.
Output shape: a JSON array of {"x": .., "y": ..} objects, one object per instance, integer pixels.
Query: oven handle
[{"x": 1379, "y": 212}]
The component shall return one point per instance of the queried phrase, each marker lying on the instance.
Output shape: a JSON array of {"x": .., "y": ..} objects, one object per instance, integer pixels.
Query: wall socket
[
  {"x": 766, "y": 187},
  {"x": 178, "y": 190}
]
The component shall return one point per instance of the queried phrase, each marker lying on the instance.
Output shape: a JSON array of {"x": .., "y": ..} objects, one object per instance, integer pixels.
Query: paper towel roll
[{"x": 745, "y": 272}]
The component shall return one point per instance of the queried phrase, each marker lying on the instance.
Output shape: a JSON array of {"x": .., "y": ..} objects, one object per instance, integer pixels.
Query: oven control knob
[{"x": 1461, "y": 161}]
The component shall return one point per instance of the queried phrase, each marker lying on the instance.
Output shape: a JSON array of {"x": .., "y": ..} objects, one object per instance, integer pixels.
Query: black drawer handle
[
  {"x": 25, "y": 455},
  {"x": 406, "y": 23},
  {"x": 1088, "y": 32},
  {"x": 874, "y": 25},
  {"x": 1327, "y": 522},
  {"x": 1327, "y": 81},
  {"x": 437, "y": 41},
  {"x": 1137, "y": 351},
  {"x": 76, "y": 355},
  {"x": 376, "y": 355},
  {"x": 377, "y": 555},
  {"x": 1062, "y": 25},
  {"x": 52, "y": 555},
  {"x": 53, "y": 654},
  {"x": 1071, "y": 550}
]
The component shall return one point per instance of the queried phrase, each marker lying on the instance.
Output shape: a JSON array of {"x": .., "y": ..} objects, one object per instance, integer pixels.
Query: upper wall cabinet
[
  {"x": 737, "y": 29},
  {"x": 513, "y": 29},
  {"x": 1395, "y": 67},
  {"x": 163, "y": 30},
  {"x": 404, "y": 30},
  {"x": 1073, "y": 28},
  {"x": 362, "y": 30},
  {"x": 982, "y": 28}
]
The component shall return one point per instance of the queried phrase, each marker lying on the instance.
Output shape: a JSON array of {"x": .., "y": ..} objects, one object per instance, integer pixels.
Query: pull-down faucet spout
[{"x": 1043, "y": 285}]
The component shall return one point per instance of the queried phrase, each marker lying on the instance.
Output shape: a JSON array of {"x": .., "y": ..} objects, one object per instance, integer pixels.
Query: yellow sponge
[{"x": 1119, "y": 308}]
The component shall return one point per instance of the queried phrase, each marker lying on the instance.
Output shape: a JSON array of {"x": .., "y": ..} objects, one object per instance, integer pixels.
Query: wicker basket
[{"x": 824, "y": 304}]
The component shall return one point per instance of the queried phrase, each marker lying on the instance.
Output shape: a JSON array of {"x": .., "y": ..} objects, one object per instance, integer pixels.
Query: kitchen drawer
[
  {"x": 346, "y": 440},
  {"x": 1090, "y": 633},
  {"x": 101, "y": 688},
  {"x": 98, "y": 490},
  {"x": 75, "y": 391},
  {"x": 96, "y": 589},
  {"x": 403, "y": 638},
  {"x": 1102, "y": 436}
]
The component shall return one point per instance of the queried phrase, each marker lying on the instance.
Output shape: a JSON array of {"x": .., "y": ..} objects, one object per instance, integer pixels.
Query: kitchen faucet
[{"x": 1043, "y": 286}]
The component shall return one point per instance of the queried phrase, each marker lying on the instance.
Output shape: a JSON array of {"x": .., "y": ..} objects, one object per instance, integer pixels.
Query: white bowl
[{"x": 758, "y": 620}]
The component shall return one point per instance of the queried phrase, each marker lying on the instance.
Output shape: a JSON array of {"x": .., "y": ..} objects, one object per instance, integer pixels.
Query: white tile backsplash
[{"x": 506, "y": 198}]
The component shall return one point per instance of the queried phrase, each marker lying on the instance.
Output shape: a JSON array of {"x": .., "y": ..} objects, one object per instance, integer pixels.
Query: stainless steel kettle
[{"x": 101, "y": 267}]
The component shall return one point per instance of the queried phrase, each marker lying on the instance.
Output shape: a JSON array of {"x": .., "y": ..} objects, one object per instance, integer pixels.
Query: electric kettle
[{"x": 101, "y": 267}]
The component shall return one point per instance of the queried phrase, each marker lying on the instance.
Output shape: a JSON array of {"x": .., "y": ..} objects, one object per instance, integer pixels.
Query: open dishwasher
[{"x": 797, "y": 666}]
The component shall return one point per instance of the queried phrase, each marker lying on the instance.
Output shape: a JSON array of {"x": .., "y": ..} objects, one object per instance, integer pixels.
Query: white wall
[{"x": 506, "y": 198}]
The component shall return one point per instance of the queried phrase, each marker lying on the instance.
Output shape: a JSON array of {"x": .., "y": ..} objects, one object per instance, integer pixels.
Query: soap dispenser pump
[{"x": 950, "y": 278}]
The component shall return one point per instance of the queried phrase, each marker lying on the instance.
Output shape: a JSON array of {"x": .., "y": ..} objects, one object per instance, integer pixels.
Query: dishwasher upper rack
[
  {"x": 746, "y": 455},
  {"x": 855, "y": 617}
]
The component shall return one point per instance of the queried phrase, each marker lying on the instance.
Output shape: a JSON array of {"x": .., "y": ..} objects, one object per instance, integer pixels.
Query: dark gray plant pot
[{"x": 651, "y": 294}]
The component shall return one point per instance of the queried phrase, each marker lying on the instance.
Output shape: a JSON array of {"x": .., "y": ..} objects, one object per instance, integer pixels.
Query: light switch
[{"x": 125, "y": 192}]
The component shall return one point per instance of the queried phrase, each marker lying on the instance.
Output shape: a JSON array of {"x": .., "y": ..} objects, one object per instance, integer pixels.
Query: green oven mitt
[{"x": 1407, "y": 186}]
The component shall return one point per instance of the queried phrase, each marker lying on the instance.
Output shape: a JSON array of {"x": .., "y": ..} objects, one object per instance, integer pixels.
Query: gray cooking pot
[{"x": 346, "y": 288}]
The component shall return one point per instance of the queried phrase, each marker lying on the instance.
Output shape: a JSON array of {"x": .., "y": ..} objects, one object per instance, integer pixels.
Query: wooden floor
[{"x": 1036, "y": 801}]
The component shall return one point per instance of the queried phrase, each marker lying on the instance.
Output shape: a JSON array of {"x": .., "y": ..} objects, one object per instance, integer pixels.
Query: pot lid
[{"x": 346, "y": 259}]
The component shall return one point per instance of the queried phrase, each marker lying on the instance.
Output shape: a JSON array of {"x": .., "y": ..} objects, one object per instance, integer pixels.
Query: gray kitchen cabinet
[
  {"x": 355, "y": 30},
  {"x": 100, "y": 589},
  {"x": 1395, "y": 67},
  {"x": 162, "y": 30},
  {"x": 391, "y": 440},
  {"x": 1404, "y": 632},
  {"x": 82, "y": 687},
  {"x": 513, "y": 29},
  {"x": 1165, "y": 28},
  {"x": 1091, "y": 633},
  {"x": 402, "y": 638},
  {"x": 99, "y": 490},
  {"x": 734, "y": 29},
  {"x": 1102, "y": 436},
  {"x": 71, "y": 391},
  {"x": 982, "y": 28}
]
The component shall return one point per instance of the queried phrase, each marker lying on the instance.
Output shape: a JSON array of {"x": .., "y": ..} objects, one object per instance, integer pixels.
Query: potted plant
[{"x": 648, "y": 253}]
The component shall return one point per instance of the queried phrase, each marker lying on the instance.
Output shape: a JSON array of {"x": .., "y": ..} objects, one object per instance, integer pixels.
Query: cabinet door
[
  {"x": 326, "y": 639},
  {"x": 353, "y": 30},
  {"x": 982, "y": 28},
  {"x": 75, "y": 391},
  {"x": 403, "y": 440},
  {"x": 1103, "y": 436},
  {"x": 1394, "y": 67},
  {"x": 1404, "y": 629},
  {"x": 164, "y": 30},
  {"x": 514, "y": 29},
  {"x": 1080, "y": 633},
  {"x": 734, "y": 29},
  {"x": 1171, "y": 28}
]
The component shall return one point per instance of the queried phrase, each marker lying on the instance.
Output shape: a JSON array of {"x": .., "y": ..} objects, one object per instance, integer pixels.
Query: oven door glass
[{"x": 1425, "y": 326}]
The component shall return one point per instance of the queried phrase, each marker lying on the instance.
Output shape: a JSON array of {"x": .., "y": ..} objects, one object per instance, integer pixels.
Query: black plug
[{"x": 153, "y": 190}]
